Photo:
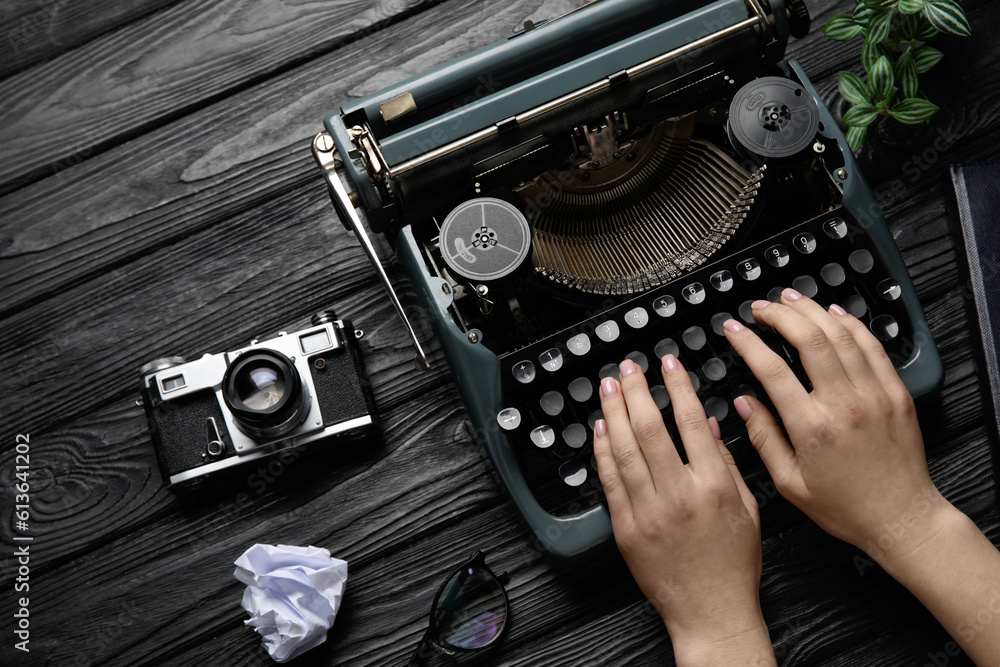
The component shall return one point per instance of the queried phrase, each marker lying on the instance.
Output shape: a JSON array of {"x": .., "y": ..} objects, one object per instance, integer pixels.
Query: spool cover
[
  {"x": 485, "y": 239},
  {"x": 773, "y": 117}
]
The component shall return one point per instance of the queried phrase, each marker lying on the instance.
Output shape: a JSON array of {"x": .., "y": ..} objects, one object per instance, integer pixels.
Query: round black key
[
  {"x": 573, "y": 473},
  {"x": 719, "y": 321},
  {"x": 746, "y": 312},
  {"x": 776, "y": 256},
  {"x": 609, "y": 371},
  {"x": 660, "y": 396},
  {"x": 552, "y": 403},
  {"x": 665, "y": 306},
  {"x": 543, "y": 437},
  {"x": 884, "y": 327},
  {"x": 694, "y": 338},
  {"x": 579, "y": 344},
  {"x": 637, "y": 318},
  {"x": 833, "y": 274},
  {"x": 749, "y": 269},
  {"x": 861, "y": 261},
  {"x": 744, "y": 390},
  {"x": 890, "y": 289},
  {"x": 575, "y": 435},
  {"x": 694, "y": 293},
  {"x": 580, "y": 390},
  {"x": 722, "y": 280},
  {"x": 665, "y": 347},
  {"x": 551, "y": 359},
  {"x": 855, "y": 305},
  {"x": 774, "y": 295},
  {"x": 835, "y": 228},
  {"x": 716, "y": 407},
  {"x": 694, "y": 380},
  {"x": 594, "y": 416},
  {"x": 714, "y": 369},
  {"x": 806, "y": 285},
  {"x": 509, "y": 419},
  {"x": 639, "y": 359},
  {"x": 607, "y": 331},
  {"x": 804, "y": 243},
  {"x": 523, "y": 371}
]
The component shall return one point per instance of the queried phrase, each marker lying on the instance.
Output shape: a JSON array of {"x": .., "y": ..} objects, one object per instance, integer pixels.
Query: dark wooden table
[{"x": 158, "y": 197}]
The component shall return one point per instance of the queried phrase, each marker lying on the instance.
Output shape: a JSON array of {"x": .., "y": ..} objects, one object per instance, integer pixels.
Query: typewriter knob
[{"x": 798, "y": 18}]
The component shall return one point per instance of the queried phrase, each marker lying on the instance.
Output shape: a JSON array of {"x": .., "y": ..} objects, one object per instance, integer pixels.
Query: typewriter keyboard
[{"x": 550, "y": 390}]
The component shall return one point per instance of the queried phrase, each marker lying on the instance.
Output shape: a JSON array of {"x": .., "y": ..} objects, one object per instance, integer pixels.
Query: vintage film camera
[{"x": 227, "y": 409}]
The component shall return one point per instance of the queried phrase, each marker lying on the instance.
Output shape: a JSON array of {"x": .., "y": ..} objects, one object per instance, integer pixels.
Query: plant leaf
[
  {"x": 908, "y": 29},
  {"x": 927, "y": 32},
  {"x": 881, "y": 79},
  {"x": 860, "y": 115},
  {"x": 878, "y": 25},
  {"x": 910, "y": 6},
  {"x": 853, "y": 88},
  {"x": 947, "y": 16},
  {"x": 856, "y": 136},
  {"x": 862, "y": 13},
  {"x": 842, "y": 28},
  {"x": 925, "y": 58},
  {"x": 906, "y": 75},
  {"x": 870, "y": 54},
  {"x": 911, "y": 111}
]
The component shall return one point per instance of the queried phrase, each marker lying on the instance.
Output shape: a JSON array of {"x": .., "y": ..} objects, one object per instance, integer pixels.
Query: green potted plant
[{"x": 894, "y": 53}]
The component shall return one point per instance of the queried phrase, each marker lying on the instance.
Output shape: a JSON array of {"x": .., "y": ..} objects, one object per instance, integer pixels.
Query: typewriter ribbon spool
[
  {"x": 772, "y": 117},
  {"x": 485, "y": 239}
]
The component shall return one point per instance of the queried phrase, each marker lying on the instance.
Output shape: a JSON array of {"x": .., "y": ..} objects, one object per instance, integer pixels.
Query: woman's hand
[{"x": 690, "y": 533}]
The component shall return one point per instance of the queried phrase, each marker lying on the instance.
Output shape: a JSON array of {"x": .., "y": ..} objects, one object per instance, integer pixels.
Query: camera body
[{"x": 226, "y": 409}]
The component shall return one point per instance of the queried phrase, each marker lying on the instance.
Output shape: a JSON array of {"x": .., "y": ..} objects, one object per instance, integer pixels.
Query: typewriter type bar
[{"x": 609, "y": 184}]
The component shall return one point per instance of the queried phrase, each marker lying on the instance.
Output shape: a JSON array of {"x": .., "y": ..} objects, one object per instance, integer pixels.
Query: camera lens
[{"x": 264, "y": 392}]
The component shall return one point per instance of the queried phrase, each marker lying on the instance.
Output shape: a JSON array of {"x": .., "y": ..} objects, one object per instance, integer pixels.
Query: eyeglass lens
[{"x": 471, "y": 611}]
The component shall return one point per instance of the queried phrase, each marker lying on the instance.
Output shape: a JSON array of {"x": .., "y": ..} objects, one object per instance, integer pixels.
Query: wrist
[
  {"x": 914, "y": 533},
  {"x": 733, "y": 635}
]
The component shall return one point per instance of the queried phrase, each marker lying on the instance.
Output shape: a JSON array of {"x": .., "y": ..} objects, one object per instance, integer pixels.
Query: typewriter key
[
  {"x": 805, "y": 243},
  {"x": 665, "y": 347},
  {"x": 746, "y": 312},
  {"x": 884, "y": 327},
  {"x": 575, "y": 435},
  {"x": 890, "y": 289},
  {"x": 855, "y": 305},
  {"x": 806, "y": 285},
  {"x": 573, "y": 473},
  {"x": 640, "y": 360},
  {"x": 509, "y": 419},
  {"x": 719, "y": 321},
  {"x": 552, "y": 403},
  {"x": 580, "y": 390},
  {"x": 716, "y": 407},
  {"x": 607, "y": 331},
  {"x": 660, "y": 396},
  {"x": 543, "y": 437},
  {"x": 523, "y": 372},
  {"x": 776, "y": 256},
  {"x": 833, "y": 274},
  {"x": 637, "y": 318},
  {"x": 714, "y": 369},
  {"x": 694, "y": 337},
  {"x": 835, "y": 228},
  {"x": 749, "y": 269},
  {"x": 579, "y": 344},
  {"x": 722, "y": 280},
  {"x": 551, "y": 359},
  {"x": 694, "y": 293},
  {"x": 665, "y": 306},
  {"x": 609, "y": 371},
  {"x": 861, "y": 261}
]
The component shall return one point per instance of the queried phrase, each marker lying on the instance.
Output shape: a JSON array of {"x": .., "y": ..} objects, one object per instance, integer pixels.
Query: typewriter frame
[{"x": 477, "y": 369}]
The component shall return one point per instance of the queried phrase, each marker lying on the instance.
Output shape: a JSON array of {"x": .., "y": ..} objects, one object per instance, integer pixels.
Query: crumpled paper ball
[{"x": 292, "y": 595}]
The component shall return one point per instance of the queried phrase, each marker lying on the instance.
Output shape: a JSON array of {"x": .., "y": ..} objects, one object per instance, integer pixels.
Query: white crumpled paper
[{"x": 292, "y": 595}]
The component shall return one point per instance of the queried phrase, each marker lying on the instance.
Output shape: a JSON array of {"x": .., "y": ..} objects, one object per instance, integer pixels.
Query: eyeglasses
[{"x": 469, "y": 613}]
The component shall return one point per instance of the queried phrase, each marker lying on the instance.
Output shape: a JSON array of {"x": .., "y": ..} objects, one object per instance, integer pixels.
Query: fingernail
[
  {"x": 609, "y": 387},
  {"x": 713, "y": 424},
  {"x": 626, "y": 367},
  {"x": 600, "y": 428},
  {"x": 743, "y": 408},
  {"x": 759, "y": 303},
  {"x": 732, "y": 326},
  {"x": 790, "y": 294},
  {"x": 837, "y": 310},
  {"x": 669, "y": 363}
]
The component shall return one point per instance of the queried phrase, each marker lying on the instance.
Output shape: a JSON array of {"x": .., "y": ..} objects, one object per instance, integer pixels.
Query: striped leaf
[
  {"x": 906, "y": 75},
  {"x": 927, "y": 31},
  {"x": 925, "y": 58},
  {"x": 860, "y": 115},
  {"x": 856, "y": 136},
  {"x": 841, "y": 27},
  {"x": 881, "y": 80},
  {"x": 947, "y": 16},
  {"x": 878, "y": 25},
  {"x": 911, "y": 111},
  {"x": 908, "y": 27},
  {"x": 870, "y": 54},
  {"x": 862, "y": 13},
  {"x": 853, "y": 88},
  {"x": 910, "y": 6}
]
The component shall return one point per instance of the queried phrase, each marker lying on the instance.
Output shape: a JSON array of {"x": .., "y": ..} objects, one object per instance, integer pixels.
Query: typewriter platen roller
[{"x": 616, "y": 182}]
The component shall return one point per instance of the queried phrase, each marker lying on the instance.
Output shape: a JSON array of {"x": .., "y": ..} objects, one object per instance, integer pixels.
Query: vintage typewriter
[{"x": 615, "y": 183}]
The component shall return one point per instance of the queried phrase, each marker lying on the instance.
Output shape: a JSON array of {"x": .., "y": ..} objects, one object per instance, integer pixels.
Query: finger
[
  {"x": 778, "y": 379},
  {"x": 855, "y": 366},
  {"x": 815, "y": 351},
  {"x": 699, "y": 443},
  {"x": 878, "y": 361},
  {"x": 647, "y": 422},
  {"x": 767, "y": 438},
  {"x": 619, "y": 503},
  {"x": 745, "y": 494},
  {"x": 628, "y": 455}
]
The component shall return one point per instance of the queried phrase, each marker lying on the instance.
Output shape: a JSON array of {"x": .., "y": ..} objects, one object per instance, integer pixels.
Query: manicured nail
[
  {"x": 837, "y": 310},
  {"x": 743, "y": 408},
  {"x": 600, "y": 428},
  {"x": 732, "y": 326},
  {"x": 759, "y": 303},
  {"x": 790, "y": 294},
  {"x": 626, "y": 367},
  {"x": 669, "y": 363},
  {"x": 609, "y": 387},
  {"x": 713, "y": 424}
]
